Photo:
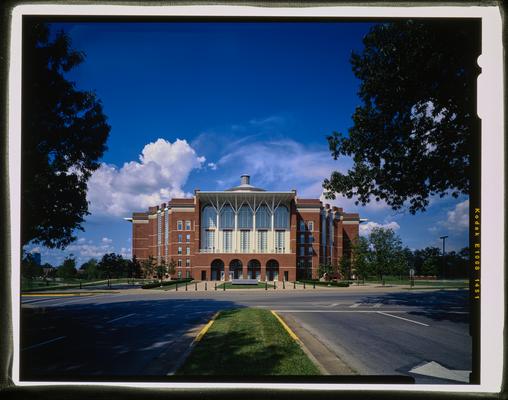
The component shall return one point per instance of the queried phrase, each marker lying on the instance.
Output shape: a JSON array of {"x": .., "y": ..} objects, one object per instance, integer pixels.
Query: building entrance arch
[
  {"x": 254, "y": 269},
  {"x": 235, "y": 269},
  {"x": 272, "y": 270},
  {"x": 217, "y": 268}
]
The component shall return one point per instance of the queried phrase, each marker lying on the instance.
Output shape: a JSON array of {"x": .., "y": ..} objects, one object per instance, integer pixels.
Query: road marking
[
  {"x": 405, "y": 319},
  {"x": 438, "y": 371},
  {"x": 119, "y": 318},
  {"x": 333, "y": 305},
  {"x": 337, "y": 311},
  {"x": 377, "y": 305},
  {"x": 43, "y": 343},
  {"x": 287, "y": 328},
  {"x": 354, "y": 305},
  {"x": 75, "y": 301},
  {"x": 205, "y": 329}
]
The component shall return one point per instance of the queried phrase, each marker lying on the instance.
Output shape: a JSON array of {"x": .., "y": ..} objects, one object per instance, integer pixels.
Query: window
[
  {"x": 244, "y": 241},
  {"x": 302, "y": 225},
  {"x": 187, "y": 262},
  {"x": 187, "y": 238},
  {"x": 279, "y": 241},
  {"x": 179, "y": 250},
  {"x": 179, "y": 238},
  {"x": 310, "y": 225},
  {"x": 209, "y": 240},
  {"x": 302, "y": 238},
  {"x": 228, "y": 240},
  {"x": 302, "y": 251},
  {"x": 245, "y": 218},
  {"x": 166, "y": 227},
  {"x": 187, "y": 274},
  {"x": 282, "y": 218},
  {"x": 209, "y": 218},
  {"x": 179, "y": 262},
  {"x": 187, "y": 251},
  {"x": 188, "y": 225},
  {"x": 159, "y": 233},
  {"x": 263, "y": 218},
  {"x": 310, "y": 251},
  {"x": 311, "y": 239},
  {"x": 227, "y": 218},
  {"x": 179, "y": 225},
  {"x": 262, "y": 241},
  {"x": 180, "y": 274}
]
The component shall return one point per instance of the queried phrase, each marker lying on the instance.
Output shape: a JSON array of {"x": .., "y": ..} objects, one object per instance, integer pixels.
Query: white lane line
[
  {"x": 43, "y": 343},
  {"x": 377, "y": 305},
  {"x": 337, "y": 311},
  {"x": 354, "y": 305},
  {"x": 333, "y": 305},
  {"x": 405, "y": 319},
  {"x": 119, "y": 318},
  {"x": 85, "y": 298}
]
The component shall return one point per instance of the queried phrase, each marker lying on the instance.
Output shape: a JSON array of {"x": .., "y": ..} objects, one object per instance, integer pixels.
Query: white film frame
[{"x": 490, "y": 110}]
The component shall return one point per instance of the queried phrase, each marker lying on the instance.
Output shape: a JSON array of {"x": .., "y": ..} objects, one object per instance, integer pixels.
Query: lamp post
[{"x": 444, "y": 263}]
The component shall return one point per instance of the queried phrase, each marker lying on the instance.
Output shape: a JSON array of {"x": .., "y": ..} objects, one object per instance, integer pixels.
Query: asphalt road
[{"x": 144, "y": 334}]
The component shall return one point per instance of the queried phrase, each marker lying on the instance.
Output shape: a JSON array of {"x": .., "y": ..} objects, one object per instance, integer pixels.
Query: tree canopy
[
  {"x": 64, "y": 132},
  {"x": 412, "y": 136}
]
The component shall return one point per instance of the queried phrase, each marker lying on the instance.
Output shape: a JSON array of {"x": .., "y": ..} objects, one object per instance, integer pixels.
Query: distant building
[{"x": 244, "y": 232}]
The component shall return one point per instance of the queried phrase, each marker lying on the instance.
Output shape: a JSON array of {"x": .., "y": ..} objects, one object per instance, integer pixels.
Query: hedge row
[
  {"x": 321, "y": 283},
  {"x": 165, "y": 283}
]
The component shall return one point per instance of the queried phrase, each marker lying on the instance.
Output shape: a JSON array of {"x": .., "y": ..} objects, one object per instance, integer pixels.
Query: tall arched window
[
  {"x": 227, "y": 218},
  {"x": 282, "y": 218},
  {"x": 245, "y": 218},
  {"x": 208, "y": 218},
  {"x": 263, "y": 218}
]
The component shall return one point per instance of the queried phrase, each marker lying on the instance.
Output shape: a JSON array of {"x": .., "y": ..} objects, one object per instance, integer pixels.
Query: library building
[{"x": 244, "y": 232}]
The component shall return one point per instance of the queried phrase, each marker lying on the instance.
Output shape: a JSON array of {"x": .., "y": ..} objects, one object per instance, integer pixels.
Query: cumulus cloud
[
  {"x": 106, "y": 240},
  {"x": 366, "y": 228},
  {"x": 280, "y": 163},
  {"x": 458, "y": 218},
  {"x": 212, "y": 166},
  {"x": 160, "y": 174}
]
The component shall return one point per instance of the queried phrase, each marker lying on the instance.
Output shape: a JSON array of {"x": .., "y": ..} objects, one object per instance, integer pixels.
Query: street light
[{"x": 444, "y": 264}]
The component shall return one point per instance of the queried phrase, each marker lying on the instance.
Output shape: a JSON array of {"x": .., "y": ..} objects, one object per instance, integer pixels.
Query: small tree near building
[{"x": 171, "y": 268}]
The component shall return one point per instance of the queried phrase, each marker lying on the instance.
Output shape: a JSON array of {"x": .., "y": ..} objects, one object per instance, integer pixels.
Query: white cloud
[
  {"x": 366, "y": 228},
  {"x": 212, "y": 166},
  {"x": 106, "y": 240},
  {"x": 160, "y": 174},
  {"x": 458, "y": 218}
]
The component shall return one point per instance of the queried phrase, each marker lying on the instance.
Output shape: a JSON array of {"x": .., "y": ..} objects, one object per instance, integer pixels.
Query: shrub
[{"x": 165, "y": 283}]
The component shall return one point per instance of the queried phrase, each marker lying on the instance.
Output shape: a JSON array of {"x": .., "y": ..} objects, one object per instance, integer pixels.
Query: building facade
[{"x": 244, "y": 232}]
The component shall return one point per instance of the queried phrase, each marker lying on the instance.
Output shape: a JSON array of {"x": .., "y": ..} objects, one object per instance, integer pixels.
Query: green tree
[
  {"x": 148, "y": 267},
  {"x": 161, "y": 269},
  {"x": 68, "y": 268},
  {"x": 114, "y": 265},
  {"x": 412, "y": 136},
  {"x": 171, "y": 268},
  {"x": 91, "y": 269},
  {"x": 360, "y": 263},
  {"x": 430, "y": 266},
  {"x": 387, "y": 253},
  {"x": 325, "y": 269},
  {"x": 420, "y": 255},
  {"x": 344, "y": 267},
  {"x": 64, "y": 134},
  {"x": 29, "y": 267}
]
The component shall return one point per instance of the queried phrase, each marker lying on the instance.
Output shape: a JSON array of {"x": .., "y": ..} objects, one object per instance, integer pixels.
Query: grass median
[{"x": 248, "y": 342}]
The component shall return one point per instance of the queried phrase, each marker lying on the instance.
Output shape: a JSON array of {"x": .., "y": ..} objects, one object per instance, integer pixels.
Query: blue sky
[{"x": 194, "y": 105}]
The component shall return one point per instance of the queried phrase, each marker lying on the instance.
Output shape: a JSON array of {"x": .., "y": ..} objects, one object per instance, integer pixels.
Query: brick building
[{"x": 244, "y": 232}]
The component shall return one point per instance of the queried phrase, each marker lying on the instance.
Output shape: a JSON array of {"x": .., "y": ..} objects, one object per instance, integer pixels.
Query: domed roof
[{"x": 245, "y": 186}]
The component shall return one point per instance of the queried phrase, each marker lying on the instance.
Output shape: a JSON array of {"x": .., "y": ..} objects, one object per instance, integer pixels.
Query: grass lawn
[
  {"x": 248, "y": 342},
  {"x": 260, "y": 285}
]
